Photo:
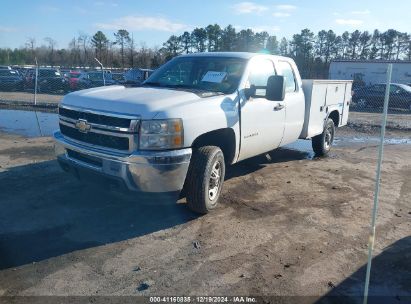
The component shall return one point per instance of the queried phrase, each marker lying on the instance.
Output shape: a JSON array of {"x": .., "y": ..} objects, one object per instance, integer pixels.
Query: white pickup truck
[{"x": 194, "y": 116}]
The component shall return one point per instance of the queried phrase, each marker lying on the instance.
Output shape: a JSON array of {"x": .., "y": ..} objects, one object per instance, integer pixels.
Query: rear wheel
[
  {"x": 322, "y": 143},
  {"x": 205, "y": 178}
]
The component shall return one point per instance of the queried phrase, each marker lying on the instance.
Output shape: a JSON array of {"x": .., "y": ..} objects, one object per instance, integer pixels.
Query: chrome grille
[
  {"x": 106, "y": 130},
  {"x": 95, "y": 118}
]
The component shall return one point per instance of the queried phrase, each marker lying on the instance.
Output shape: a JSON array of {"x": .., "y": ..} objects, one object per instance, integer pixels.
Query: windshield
[
  {"x": 48, "y": 73},
  {"x": 405, "y": 87},
  {"x": 98, "y": 76},
  {"x": 8, "y": 73},
  {"x": 215, "y": 74},
  {"x": 75, "y": 75},
  {"x": 118, "y": 76}
]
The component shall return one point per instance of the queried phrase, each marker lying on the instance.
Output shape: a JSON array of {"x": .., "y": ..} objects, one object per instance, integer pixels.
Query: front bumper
[{"x": 162, "y": 171}]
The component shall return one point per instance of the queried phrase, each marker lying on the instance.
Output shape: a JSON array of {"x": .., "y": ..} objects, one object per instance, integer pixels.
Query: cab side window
[
  {"x": 396, "y": 89},
  {"x": 259, "y": 73},
  {"x": 287, "y": 72},
  {"x": 378, "y": 89}
]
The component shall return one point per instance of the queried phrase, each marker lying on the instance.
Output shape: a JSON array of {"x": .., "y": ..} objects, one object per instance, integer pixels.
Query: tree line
[{"x": 311, "y": 51}]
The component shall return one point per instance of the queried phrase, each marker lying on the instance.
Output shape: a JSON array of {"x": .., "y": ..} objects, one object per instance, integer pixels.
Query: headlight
[{"x": 161, "y": 134}]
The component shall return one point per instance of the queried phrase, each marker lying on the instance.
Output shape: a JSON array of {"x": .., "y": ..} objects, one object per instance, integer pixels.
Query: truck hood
[{"x": 145, "y": 102}]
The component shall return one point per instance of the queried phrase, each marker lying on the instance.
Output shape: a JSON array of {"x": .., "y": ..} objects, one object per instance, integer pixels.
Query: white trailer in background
[{"x": 368, "y": 72}]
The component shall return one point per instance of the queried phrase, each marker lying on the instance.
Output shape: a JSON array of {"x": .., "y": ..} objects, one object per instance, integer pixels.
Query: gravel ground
[
  {"x": 287, "y": 225},
  {"x": 373, "y": 120},
  {"x": 28, "y": 98}
]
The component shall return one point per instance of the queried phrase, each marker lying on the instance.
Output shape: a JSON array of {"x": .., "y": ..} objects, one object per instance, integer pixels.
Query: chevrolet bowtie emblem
[{"x": 83, "y": 126}]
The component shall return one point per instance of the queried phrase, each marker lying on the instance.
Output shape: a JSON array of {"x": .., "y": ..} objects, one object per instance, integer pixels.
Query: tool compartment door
[
  {"x": 315, "y": 97},
  {"x": 317, "y": 109},
  {"x": 336, "y": 98},
  {"x": 346, "y": 105}
]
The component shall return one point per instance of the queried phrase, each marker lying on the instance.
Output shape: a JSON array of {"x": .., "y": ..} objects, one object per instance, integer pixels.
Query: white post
[
  {"x": 35, "y": 82},
  {"x": 377, "y": 184},
  {"x": 102, "y": 69},
  {"x": 35, "y": 96}
]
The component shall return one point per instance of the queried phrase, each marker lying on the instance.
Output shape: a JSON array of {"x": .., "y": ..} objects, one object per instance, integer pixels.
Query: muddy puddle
[
  {"x": 35, "y": 124},
  {"x": 345, "y": 141},
  {"x": 302, "y": 146},
  {"x": 28, "y": 123}
]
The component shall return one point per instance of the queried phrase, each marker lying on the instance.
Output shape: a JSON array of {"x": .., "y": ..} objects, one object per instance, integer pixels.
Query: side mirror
[
  {"x": 275, "y": 88},
  {"x": 250, "y": 92}
]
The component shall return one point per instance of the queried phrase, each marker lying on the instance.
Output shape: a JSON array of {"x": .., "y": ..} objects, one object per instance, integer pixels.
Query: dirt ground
[
  {"x": 288, "y": 224},
  {"x": 28, "y": 97},
  {"x": 394, "y": 121}
]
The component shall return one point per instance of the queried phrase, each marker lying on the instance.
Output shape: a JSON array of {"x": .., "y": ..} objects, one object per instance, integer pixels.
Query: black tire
[
  {"x": 200, "y": 197},
  {"x": 322, "y": 143}
]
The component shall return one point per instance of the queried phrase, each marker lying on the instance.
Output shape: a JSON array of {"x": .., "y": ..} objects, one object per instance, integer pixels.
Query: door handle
[{"x": 279, "y": 107}]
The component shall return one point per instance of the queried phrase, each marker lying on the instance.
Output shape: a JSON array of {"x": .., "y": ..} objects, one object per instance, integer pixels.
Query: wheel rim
[
  {"x": 329, "y": 137},
  {"x": 215, "y": 181}
]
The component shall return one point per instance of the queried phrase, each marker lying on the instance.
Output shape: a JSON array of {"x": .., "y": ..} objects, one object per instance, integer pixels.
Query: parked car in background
[
  {"x": 135, "y": 77},
  {"x": 29, "y": 79},
  {"x": 65, "y": 73},
  {"x": 49, "y": 80},
  {"x": 373, "y": 96},
  {"x": 21, "y": 70},
  {"x": 5, "y": 67},
  {"x": 11, "y": 80},
  {"x": 119, "y": 77},
  {"x": 95, "y": 79},
  {"x": 73, "y": 78}
]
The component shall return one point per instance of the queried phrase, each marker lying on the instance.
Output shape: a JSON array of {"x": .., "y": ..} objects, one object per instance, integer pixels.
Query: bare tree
[
  {"x": 51, "y": 45},
  {"x": 132, "y": 48},
  {"x": 84, "y": 41},
  {"x": 31, "y": 45},
  {"x": 74, "y": 51}
]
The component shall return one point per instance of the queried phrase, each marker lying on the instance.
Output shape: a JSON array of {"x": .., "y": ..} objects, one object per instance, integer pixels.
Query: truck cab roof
[{"x": 243, "y": 55}]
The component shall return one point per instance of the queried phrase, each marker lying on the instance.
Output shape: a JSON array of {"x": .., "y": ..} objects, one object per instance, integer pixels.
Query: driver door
[{"x": 262, "y": 120}]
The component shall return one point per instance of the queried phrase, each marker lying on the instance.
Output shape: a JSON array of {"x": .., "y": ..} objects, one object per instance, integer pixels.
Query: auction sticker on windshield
[{"x": 212, "y": 76}]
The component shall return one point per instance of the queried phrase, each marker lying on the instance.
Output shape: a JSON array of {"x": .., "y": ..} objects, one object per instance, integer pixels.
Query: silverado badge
[{"x": 83, "y": 126}]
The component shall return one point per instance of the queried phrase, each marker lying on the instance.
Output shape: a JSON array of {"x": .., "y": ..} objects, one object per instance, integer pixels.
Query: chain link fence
[
  {"x": 45, "y": 86},
  {"x": 42, "y": 88}
]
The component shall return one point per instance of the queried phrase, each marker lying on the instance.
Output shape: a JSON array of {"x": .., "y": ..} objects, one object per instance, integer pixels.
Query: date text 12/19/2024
[{"x": 203, "y": 299}]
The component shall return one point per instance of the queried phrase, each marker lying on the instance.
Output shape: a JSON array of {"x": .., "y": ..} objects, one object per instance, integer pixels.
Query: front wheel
[
  {"x": 322, "y": 143},
  {"x": 205, "y": 179}
]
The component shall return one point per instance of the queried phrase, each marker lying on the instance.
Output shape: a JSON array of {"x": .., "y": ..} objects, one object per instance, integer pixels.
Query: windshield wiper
[
  {"x": 193, "y": 88},
  {"x": 152, "y": 84},
  {"x": 182, "y": 86}
]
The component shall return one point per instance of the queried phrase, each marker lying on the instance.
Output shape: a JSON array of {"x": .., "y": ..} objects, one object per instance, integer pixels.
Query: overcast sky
[{"x": 153, "y": 21}]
